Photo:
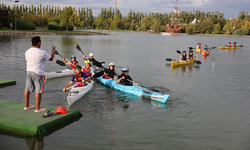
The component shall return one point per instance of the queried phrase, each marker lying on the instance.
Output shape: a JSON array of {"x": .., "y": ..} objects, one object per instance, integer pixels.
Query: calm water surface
[{"x": 208, "y": 108}]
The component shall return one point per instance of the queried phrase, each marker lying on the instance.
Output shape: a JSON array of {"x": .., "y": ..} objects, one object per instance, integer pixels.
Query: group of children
[{"x": 85, "y": 74}]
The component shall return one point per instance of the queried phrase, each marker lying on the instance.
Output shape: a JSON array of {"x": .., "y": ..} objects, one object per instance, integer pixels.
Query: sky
[{"x": 230, "y": 8}]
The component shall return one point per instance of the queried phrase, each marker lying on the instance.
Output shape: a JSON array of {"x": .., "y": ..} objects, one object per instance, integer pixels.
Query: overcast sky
[{"x": 230, "y": 8}]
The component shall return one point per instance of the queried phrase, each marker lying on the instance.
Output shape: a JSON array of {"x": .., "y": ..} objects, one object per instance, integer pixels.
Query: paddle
[
  {"x": 195, "y": 48},
  {"x": 59, "y": 62},
  {"x": 56, "y": 52},
  {"x": 95, "y": 63}
]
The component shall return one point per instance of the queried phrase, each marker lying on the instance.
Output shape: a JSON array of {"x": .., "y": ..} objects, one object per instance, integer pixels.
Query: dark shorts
[{"x": 34, "y": 81}]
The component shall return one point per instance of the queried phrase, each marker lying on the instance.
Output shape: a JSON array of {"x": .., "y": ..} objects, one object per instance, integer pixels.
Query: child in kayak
[
  {"x": 205, "y": 48},
  {"x": 73, "y": 62},
  {"x": 86, "y": 70},
  {"x": 125, "y": 79},
  {"x": 235, "y": 44},
  {"x": 199, "y": 46},
  {"x": 93, "y": 62},
  {"x": 184, "y": 56},
  {"x": 191, "y": 56},
  {"x": 112, "y": 68},
  {"x": 229, "y": 44},
  {"x": 78, "y": 78}
]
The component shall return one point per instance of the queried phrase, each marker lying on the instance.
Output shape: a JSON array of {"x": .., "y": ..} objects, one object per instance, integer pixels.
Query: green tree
[{"x": 66, "y": 15}]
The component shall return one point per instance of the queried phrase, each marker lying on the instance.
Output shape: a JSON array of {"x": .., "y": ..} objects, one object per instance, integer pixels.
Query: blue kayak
[{"x": 136, "y": 90}]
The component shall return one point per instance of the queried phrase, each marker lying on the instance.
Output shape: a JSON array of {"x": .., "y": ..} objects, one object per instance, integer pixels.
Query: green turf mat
[
  {"x": 14, "y": 118},
  {"x": 4, "y": 82}
]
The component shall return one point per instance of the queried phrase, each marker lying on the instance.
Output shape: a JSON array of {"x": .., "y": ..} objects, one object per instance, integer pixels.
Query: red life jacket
[
  {"x": 234, "y": 44},
  {"x": 109, "y": 77},
  {"x": 78, "y": 79},
  {"x": 86, "y": 71},
  {"x": 229, "y": 45},
  {"x": 73, "y": 66},
  {"x": 199, "y": 47}
]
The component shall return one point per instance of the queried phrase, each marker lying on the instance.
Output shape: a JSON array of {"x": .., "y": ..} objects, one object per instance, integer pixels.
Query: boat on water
[
  {"x": 198, "y": 50},
  {"x": 226, "y": 47},
  {"x": 166, "y": 34},
  {"x": 135, "y": 90},
  {"x": 181, "y": 62},
  {"x": 205, "y": 53},
  {"x": 60, "y": 73},
  {"x": 174, "y": 25},
  {"x": 76, "y": 93}
]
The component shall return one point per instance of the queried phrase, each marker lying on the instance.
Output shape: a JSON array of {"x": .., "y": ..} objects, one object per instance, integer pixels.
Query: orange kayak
[{"x": 205, "y": 53}]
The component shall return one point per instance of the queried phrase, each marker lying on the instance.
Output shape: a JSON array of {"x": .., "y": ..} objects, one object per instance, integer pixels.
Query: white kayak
[
  {"x": 56, "y": 74},
  {"x": 76, "y": 93}
]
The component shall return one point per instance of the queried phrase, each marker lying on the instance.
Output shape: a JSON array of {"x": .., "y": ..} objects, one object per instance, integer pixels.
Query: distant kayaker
[
  {"x": 35, "y": 60},
  {"x": 235, "y": 44},
  {"x": 191, "y": 56},
  {"x": 206, "y": 48},
  {"x": 184, "y": 56},
  {"x": 112, "y": 68},
  {"x": 72, "y": 63},
  {"x": 124, "y": 78},
  {"x": 87, "y": 70},
  {"x": 79, "y": 78},
  {"x": 199, "y": 46},
  {"x": 229, "y": 44}
]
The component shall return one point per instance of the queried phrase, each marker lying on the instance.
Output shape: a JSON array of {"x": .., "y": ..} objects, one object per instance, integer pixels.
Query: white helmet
[
  {"x": 125, "y": 69},
  {"x": 91, "y": 54},
  {"x": 111, "y": 64}
]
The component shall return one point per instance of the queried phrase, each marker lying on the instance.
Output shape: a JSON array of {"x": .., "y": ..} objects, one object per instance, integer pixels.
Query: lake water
[{"x": 208, "y": 108}]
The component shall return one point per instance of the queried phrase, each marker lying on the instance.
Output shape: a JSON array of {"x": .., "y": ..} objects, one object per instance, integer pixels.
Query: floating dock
[
  {"x": 4, "y": 82},
  {"x": 13, "y": 118}
]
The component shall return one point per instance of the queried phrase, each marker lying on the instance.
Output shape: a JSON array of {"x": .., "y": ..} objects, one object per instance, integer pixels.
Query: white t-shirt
[{"x": 35, "y": 58}]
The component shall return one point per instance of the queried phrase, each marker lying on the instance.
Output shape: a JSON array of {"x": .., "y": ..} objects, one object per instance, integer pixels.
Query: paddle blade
[
  {"x": 241, "y": 45},
  {"x": 59, "y": 62},
  {"x": 109, "y": 72},
  {"x": 168, "y": 59},
  {"x": 96, "y": 63},
  {"x": 56, "y": 52},
  {"x": 190, "y": 47},
  {"x": 98, "y": 74},
  {"x": 78, "y": 47},
  {"x": 198, "y": 62},
  {"x": 179, "y": 52}
]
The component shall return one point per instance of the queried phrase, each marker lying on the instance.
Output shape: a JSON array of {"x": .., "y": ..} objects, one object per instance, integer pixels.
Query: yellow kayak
[
  {"x": 225, "y": 47},
  {"x": 181, "y": 62},
  {"x": 198, "y": 50}
]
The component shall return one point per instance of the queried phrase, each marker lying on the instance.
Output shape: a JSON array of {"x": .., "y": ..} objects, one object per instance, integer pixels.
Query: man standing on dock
[{"x": 35, "y": 60}]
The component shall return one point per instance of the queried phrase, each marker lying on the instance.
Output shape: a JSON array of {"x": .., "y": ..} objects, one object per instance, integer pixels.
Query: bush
[
  {"x": 4, "y": 20},
  {"x": 207, "y": 32},
  {"x": 190, "y": 29},
  {"x": 163, "y": 28},
  {"x": 240, "y": 32},
  {"x": 70, "y": 27},
  {"x": 53, "y": 20},
  {"x": 22, "y": 24},
  {"x": 53, "y": 26}
]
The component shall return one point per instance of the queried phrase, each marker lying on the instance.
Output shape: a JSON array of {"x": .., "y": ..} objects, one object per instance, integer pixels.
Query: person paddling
[
  {"x": 206, "y": 48},
  {"x": 112, "y": 68},
  {"x": 229, "y": 44},
  {"x": 89, "y": 72},
  {"x": 184, "y": 56},
  {"x": 93, "y": 61},
  {"x": 79, "y": 78},
  {"x": 235, "y": 44},
  {"x": 191, "y": 56},
  {"x": 35, "y": 60},
  {"x": 72, "y": 63},
  {"x": 199, "y": 46},
  {"x": 125, "y": 79}
]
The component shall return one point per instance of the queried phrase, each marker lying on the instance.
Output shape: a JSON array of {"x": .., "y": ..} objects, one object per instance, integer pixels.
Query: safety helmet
[
  {"x": 235, "y": 42},
  {"x": 125, "y": 69},
  {"x": 111, "y": 64},
  {"x": 73, "y": 56},
  {"x": 183, "y": 51},
  {"x": 78, "y": 67},
  {"x": 61, "y": 110},
  {"x": 86, "y": 62},
  {"x": 91, "y": 54}
]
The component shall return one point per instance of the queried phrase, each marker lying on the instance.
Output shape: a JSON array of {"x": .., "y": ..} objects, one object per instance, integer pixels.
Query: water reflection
[
  {"x": 34, "y": 144},
  {"x": 185, "y": 68}
]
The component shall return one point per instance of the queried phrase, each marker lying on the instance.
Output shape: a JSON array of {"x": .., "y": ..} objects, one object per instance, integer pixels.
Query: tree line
[{"x": 109, "y": 19}]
